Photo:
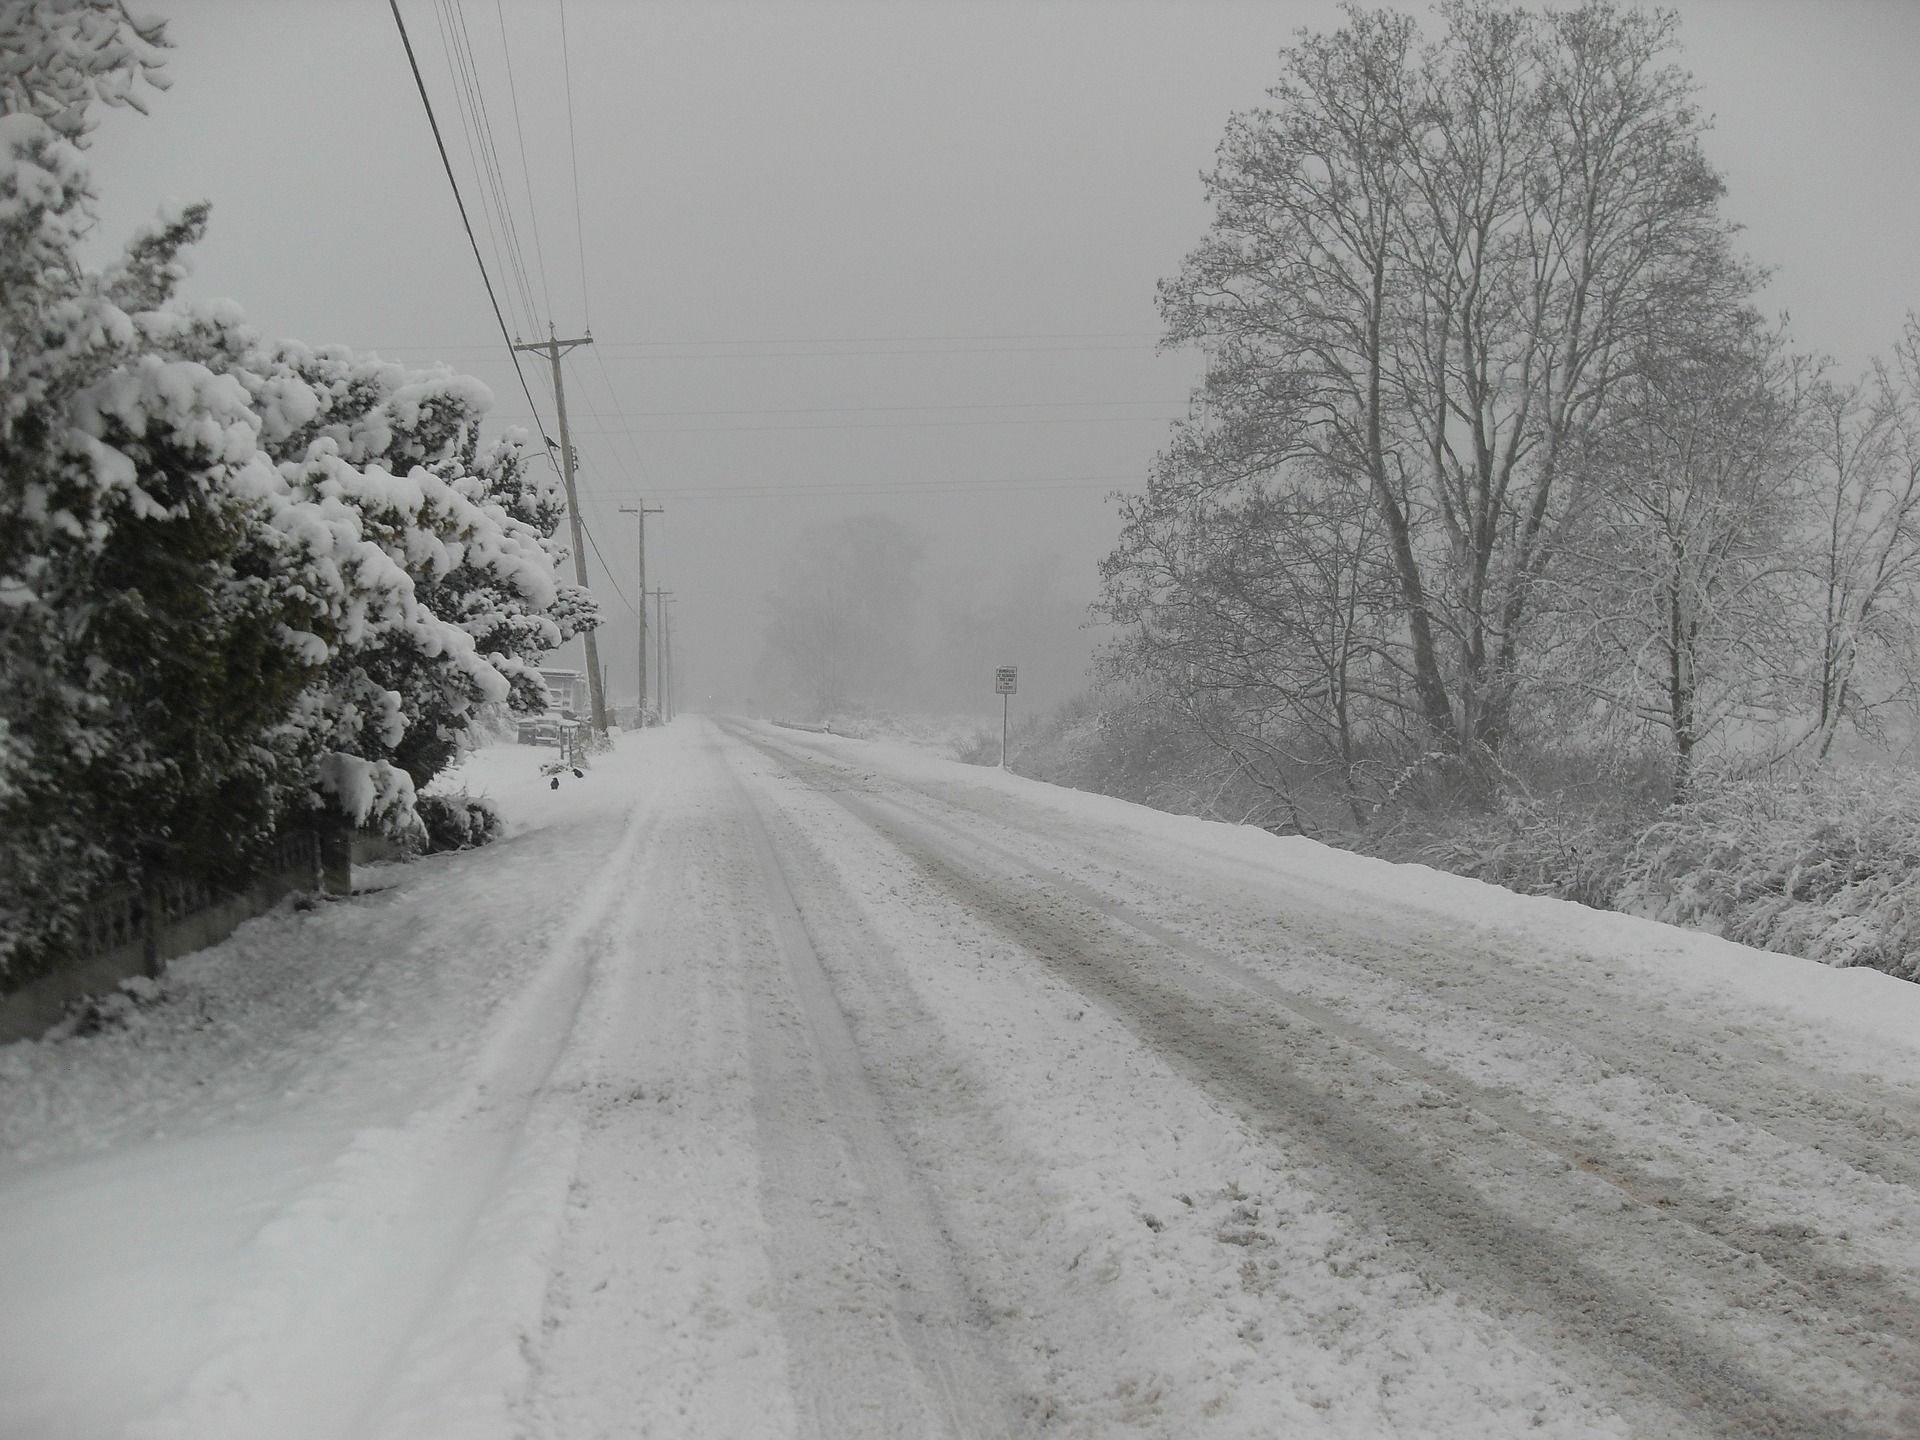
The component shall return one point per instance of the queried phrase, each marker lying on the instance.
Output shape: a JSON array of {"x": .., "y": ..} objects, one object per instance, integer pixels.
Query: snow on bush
[
  {"x": 458, "y": 822},
  {"x": 1827, "y": 868},
  {"x": 242, "y": 584},
  {"x": 1534, "y": 846}
]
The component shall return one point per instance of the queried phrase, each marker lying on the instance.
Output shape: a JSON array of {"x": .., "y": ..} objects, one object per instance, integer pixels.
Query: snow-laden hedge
[
  {"x": 458, "y": 822},
  {"x": 1826, "y": 867},
  {"x": 243, "y": 584}
]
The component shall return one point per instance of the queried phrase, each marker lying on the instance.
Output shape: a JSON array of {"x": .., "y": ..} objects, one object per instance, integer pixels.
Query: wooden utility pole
[
  {"x": 640, "y": 513},
  {"x": 553, "y": 349},
  {"x": 666, "y": 639},
  {"x": 661, "y": 655}
]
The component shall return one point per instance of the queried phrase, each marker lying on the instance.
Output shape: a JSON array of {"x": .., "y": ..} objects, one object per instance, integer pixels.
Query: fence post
[
  {"x": 336, "y": 857},
  {"x": 150, "y": 922}
]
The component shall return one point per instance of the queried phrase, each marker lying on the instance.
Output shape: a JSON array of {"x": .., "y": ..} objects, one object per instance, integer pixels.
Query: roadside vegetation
[
  {"x": 245, "y": 584},
  {"x": 1505, "y": 532}
]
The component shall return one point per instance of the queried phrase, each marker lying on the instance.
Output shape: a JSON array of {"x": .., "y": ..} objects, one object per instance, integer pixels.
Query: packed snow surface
[{"x": 766, "y": 1084}]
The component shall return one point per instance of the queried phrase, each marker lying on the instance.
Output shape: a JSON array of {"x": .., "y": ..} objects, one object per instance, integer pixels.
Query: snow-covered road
[{"x": 771, "y": 1084}]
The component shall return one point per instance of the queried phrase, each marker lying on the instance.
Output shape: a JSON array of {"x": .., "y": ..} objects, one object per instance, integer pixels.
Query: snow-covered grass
[
  {"x": 1676, "y": 958},
  {"x": 225, "y": 1214},
  {"x": 512, "y": 1143},
  {"x": 1828, "y": 868},
  {"x": 1823, "y": 864},
  {"x": 941, "y": 734}
]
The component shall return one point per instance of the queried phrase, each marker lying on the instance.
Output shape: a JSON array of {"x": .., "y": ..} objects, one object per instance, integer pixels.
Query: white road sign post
[{"x": 1006, "y": 680}]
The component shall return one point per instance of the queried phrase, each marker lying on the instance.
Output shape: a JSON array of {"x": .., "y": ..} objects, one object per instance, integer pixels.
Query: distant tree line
[
  {"x": 858, "y": 621},
  {"x": 243, "y": 585},
  {"x": 1495, "y": 455}
]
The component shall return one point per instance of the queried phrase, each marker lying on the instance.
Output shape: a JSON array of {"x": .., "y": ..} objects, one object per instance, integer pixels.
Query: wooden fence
[{"x": 136, "y": 930}]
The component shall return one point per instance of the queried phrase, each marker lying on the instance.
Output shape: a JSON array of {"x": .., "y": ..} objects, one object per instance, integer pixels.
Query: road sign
[{"x": 1006, "y": 680}]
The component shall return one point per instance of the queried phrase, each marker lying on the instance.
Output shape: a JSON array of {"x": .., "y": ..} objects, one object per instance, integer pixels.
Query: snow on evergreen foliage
[
  {"x": 241, "y": 583},
  {"x": 459, "y": 821},
  {"x": 58, "y": 58}
]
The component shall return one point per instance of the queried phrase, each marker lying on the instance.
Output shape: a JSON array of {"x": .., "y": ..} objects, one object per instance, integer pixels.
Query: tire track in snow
[
  {"x": 1832, "y": 1115},
  {"x": 884, "y": 1338},
  {"x": 425, "y": 1203},
  {"x": 1857, "y": 1135},
  {"x": 1845, "y": 1292},
  {"x": 1632, "y": 1325}
]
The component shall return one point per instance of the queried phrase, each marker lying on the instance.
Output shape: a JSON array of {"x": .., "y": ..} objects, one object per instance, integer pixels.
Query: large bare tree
[{"x": 1430, "y": 266}]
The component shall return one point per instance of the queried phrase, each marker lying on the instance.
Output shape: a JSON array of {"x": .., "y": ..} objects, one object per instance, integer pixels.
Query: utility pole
[
  {"x": 666, "y": 639},
  {"x": 661, "y": 654},
  {"x": 640, "y": 513},
  {"x": 553, "y": 349}
]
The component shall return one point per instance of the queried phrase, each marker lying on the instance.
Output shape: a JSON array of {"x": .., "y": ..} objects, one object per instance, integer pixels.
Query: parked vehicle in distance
[{"x": 566, "y": 696}]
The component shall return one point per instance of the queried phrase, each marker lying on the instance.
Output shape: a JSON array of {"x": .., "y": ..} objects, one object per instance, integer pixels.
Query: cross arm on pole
[{"x": 553, "y": 349}]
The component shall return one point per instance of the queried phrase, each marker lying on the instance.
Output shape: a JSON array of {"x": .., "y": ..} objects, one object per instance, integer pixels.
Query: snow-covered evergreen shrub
[
  {"x": 458, "y": 822},
  {"x": 241, "y": 585},
  {"x": 134, "y": 584},
  {"x": 1823, "y": 866}
]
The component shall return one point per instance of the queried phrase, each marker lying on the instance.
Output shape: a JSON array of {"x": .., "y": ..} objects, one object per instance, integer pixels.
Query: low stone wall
[{"x": 133, "y": 932}]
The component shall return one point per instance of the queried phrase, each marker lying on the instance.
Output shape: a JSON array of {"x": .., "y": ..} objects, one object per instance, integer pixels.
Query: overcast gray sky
[{"x": 877, "y": 257}]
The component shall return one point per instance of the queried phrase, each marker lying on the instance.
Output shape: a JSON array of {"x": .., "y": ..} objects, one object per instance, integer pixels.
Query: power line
[
  {"x": 886, "y": 425},
  {"x": 486, "y": 175},
  {"x": 622, "y": 432},
  {"x": 499, "y": 170},
  {"x": 447, "y": 165},
  {"x": 605, "y": 568},
  {"x": 502, "y": 257},
  {"x": 526, "y": 170},
  {"x": 579, "y": 228},
  {"x": 633, "y": 450},
  {"x": 566, "y": 362},
  {"x": 887, "y": 340},
  {"x": 492, "y": 173},
  {"x": 896, "y": 352},
  {"x": 586, "y": 398},
  {"x": 890, "y": 409},
  {"x": 762, "y": 490},
  {"x": 900, "y": 339}
]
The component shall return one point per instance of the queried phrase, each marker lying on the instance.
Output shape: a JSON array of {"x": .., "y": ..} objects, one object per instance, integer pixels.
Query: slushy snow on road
[{"x": 770, "y": 1084}]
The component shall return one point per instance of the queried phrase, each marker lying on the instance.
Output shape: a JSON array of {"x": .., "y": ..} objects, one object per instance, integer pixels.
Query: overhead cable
[
  {"x": 579, "y": 229},
  {"x": 491, "y": 173},
  {"x": 851, "y": 340},
  {"x": 414, "y": 64},
  {"x": 526, "y": 171},
  {"x": 605, "y": 568},
  {"x": 456, "y": 83},
  {"x": 885, "y": 425}
]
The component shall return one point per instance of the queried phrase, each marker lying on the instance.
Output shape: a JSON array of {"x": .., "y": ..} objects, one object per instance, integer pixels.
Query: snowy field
[{"x": 769, "y": 1084}]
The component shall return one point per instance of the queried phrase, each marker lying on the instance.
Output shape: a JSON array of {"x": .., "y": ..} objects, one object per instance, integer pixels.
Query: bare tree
[
  {"x": 1685, "y": 592},
  {"x": 1428, "y": 269},
  {"x": 1864, "y": 501},
  {"x": 841, "y": 616},
  {"x": 1263, "y": 615}
]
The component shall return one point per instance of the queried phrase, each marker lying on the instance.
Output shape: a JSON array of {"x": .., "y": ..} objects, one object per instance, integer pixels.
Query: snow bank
[
  {"x": 1849, "y": 1005},
  {"x": 228, "y": 1216}
]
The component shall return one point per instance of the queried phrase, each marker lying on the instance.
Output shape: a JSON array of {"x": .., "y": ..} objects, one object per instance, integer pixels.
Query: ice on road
[{"x": 767, "y": 1084}]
